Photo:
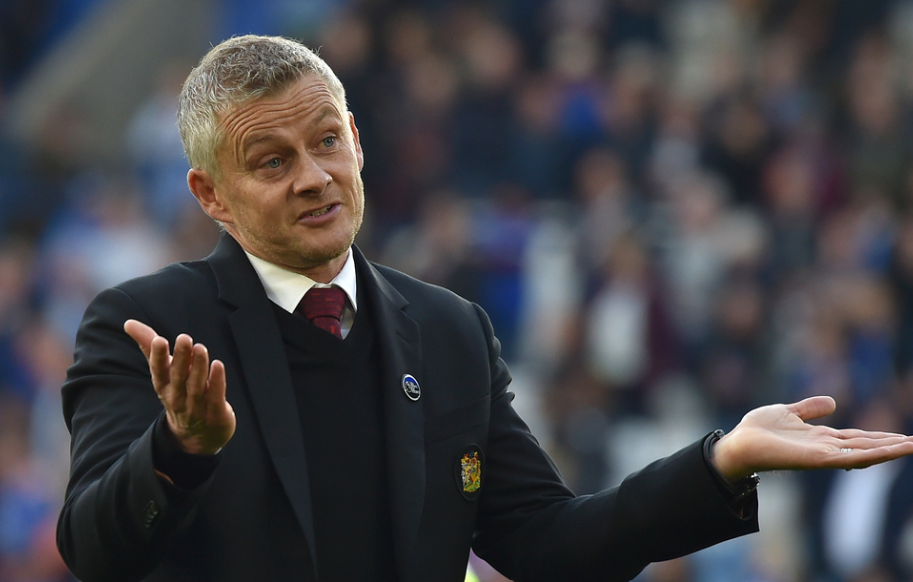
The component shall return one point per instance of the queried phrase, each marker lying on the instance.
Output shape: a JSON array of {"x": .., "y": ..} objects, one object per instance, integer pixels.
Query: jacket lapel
[
  {"x": 267, "y": 375},
  {"x": 399, "y": 338}
]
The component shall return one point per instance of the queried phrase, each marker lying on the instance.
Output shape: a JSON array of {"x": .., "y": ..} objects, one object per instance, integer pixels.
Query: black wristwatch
[{"x": 741, "y": 488}]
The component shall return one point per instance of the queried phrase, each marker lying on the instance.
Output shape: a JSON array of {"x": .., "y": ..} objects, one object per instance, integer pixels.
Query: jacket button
[{"x": 152, "y": 512}]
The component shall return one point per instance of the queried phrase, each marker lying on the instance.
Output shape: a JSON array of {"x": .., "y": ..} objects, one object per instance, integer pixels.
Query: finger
[
  {"x": 180, "y": 365},
  {"x": 142, "y": 334},
  {"x": 216, "y": 395},
  {"x": 862, "y": 444},
  {"x": 216, "y": 387},
  {"x": 855, "y": 433},
  {"x": 814, "y": 407},
  {"x": 199, "y": 371},
  {"x": 850, "y": 458},
  {"x": 160, "y": 364}
]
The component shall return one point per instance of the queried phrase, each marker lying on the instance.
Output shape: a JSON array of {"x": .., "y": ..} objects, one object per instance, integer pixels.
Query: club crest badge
[
  {"x": 411, "y": 387},
  {"x": 469, "y": 472}
]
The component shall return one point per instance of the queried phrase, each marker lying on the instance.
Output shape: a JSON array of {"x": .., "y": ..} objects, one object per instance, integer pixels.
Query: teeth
[{"x": 321, "y": 211}]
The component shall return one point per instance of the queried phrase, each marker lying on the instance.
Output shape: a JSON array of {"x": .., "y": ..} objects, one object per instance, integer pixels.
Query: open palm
[{"x": 778, "y": 437}]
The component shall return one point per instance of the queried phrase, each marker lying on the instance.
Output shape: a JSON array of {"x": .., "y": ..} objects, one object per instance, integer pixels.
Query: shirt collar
[{"x": 286, "y": 288}]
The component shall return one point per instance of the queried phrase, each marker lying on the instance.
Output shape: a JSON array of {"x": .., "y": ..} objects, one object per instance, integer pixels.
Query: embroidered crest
[{"x": 469, "y": 472}]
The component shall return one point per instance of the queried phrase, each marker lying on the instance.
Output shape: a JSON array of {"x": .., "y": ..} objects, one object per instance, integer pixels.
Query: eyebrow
[
  {"x": 249, "y": 143},
  {"x": 325, "y": 112}
]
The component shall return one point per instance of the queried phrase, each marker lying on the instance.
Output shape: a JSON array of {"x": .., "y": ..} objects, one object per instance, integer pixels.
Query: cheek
[
  {"x": 259, "y": 219},
  {"x": 359, "y": 199}
]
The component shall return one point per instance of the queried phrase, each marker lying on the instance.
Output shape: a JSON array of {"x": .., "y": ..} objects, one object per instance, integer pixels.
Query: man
[{"x": 261, "y": 447}]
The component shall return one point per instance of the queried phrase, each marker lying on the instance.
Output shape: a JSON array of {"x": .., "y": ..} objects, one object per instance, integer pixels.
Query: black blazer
[{"x": 252, "y": 519}]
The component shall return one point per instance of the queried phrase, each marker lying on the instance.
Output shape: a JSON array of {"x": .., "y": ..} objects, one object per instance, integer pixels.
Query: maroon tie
[{"x": 323, "y": 307}]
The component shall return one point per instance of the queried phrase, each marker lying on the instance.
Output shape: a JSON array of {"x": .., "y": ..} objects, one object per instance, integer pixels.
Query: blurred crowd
[{"x": 674, "y": 211}]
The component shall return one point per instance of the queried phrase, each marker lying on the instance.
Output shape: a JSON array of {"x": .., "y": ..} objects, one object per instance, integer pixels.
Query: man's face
[{"x": 291, "y": 190}]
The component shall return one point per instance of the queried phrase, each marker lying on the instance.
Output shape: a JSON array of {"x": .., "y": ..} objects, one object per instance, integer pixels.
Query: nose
[{"x": 311, "y": 178}]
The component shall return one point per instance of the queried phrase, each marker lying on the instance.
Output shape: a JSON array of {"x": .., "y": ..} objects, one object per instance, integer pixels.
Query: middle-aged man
[{"x": 376, "y": 442}]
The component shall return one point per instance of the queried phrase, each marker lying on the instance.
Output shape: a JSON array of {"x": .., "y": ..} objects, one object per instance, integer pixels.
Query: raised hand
[
  {"x": 778, "y": 437},
  {"x": 191, "y": 389}
]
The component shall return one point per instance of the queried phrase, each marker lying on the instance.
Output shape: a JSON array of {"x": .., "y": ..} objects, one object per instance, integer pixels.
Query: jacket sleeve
[
  {"x": 531, "y": 527},
  {"x": 119, "y": 516}
]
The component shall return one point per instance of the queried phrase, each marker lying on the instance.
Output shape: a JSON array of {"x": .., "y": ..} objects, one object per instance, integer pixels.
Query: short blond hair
[{"x": 235, "y": 72}]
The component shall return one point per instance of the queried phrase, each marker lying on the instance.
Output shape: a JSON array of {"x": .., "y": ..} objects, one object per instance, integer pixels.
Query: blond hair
[{"x": 235, "y": 72}]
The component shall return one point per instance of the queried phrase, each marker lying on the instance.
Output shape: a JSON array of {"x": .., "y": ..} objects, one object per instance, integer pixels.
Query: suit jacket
[{"x": 252, "y": 519}]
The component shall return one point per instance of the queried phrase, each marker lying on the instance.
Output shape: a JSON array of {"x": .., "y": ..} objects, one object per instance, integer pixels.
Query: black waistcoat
[{"x": 339, "y": 403}]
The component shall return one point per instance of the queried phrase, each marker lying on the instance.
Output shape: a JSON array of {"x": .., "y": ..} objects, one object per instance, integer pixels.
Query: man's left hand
[{"x": 778, "y": 437}]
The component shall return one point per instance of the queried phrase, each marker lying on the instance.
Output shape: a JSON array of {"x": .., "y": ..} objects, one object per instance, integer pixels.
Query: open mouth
[{"x": 322, "y": 211}]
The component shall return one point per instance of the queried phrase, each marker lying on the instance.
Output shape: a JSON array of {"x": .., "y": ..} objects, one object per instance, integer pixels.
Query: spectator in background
[{"x": 155, "y": 146}]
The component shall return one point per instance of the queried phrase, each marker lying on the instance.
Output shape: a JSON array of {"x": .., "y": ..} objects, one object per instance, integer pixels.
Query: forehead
[{"x": 307, "y": 101}]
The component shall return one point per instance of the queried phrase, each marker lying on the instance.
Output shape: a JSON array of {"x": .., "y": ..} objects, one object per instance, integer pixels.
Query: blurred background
[{"x": 673, "y": 211}]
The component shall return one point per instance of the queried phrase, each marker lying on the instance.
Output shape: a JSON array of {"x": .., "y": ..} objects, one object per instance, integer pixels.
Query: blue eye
[
  {"x": 274, "y": 163},
  {"x": 329, "y": 142}
]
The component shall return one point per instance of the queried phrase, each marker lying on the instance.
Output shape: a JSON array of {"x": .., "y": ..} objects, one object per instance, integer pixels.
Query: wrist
[
  {"x": 738, "y": 485},
  {"x": 726, "y": 459},
  {"x": 191, "y": 444}
]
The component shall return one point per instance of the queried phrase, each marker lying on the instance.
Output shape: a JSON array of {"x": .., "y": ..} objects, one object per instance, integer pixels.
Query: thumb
[
  {"x": 142, "y": 334},
  {"x": 814, "y": 407}
]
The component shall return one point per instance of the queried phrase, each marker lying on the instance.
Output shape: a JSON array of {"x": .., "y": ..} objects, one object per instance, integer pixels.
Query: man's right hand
[{"x": 191, "y": 389}]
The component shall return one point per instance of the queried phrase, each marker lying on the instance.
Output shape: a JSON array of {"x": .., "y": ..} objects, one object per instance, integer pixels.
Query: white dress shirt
[{"x": 286, "y": 288}]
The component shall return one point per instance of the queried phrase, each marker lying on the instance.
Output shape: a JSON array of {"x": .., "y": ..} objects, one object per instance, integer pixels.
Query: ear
[
  {"x": 203, "y": 187},
  {"x": 358, "y": 153}
]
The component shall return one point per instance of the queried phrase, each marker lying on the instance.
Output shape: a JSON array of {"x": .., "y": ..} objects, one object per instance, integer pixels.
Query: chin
[{"x": 325, "y": 254}]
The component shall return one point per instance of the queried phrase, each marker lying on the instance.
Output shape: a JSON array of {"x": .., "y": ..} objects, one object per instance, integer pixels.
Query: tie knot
[{"x": 323, "y": 307}]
